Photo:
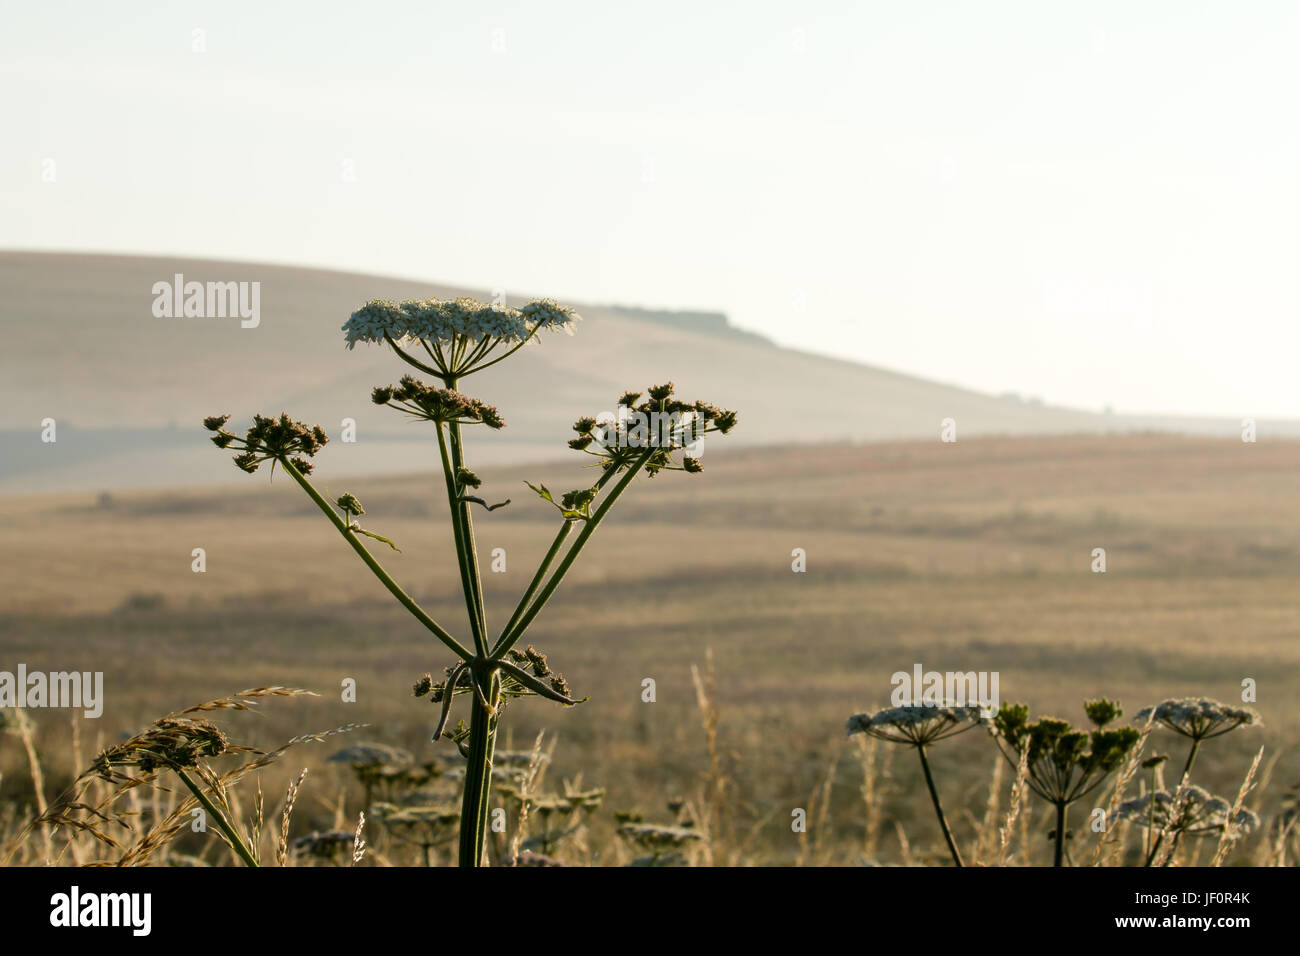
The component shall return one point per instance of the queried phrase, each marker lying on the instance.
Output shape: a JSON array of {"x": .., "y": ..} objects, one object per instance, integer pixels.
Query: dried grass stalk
[
  {"x": 1231, "y": 833},
  {"x": 1016, "y": 807},
  {"x": 290, "y": 800}
]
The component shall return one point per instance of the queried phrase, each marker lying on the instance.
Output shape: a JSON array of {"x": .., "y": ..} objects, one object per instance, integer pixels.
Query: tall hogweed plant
[{"x": 449, "y": 341}]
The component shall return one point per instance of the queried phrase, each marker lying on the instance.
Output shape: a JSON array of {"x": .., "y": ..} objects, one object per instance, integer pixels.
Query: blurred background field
[
  {"x": 968, "y": 556},
  {"x": 856, "y": 224}
]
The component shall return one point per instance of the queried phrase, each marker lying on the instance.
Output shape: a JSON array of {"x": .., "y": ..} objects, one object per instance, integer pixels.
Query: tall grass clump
[{"x": 184, "y": 747}]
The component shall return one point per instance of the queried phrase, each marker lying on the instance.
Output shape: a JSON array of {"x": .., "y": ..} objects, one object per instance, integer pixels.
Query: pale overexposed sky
[{"x": 1092, "y": 203}]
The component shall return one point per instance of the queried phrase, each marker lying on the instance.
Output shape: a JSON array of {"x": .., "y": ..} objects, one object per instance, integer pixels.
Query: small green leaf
[
  {"x": 568, "y": 513},
  {"x": 377, "y": 537},
  {"x": 480, "y": 501},
  {"x": 541, "y": 490}
]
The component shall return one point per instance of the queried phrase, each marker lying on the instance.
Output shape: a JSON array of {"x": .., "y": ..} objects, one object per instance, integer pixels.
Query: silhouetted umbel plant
[
  {"x": 921, "y": 725},
  {"x": 449, "y": 340},
  {"x": 1186, "y": 811},
  {"x": 1197, "y": 719},
  {"x": 1065, "y": 764}
]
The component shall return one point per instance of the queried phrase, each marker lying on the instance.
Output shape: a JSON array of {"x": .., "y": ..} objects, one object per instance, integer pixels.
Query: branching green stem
[
  {"x": 542, "y": 568},
  {"x": 403, "y": 598},
  {"x": 484, "y": 666},
  {"x": 511, "y": 637}
]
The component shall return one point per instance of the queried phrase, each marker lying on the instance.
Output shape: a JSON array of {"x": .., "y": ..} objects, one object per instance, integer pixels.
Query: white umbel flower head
[
  {"x": 430, "y": 815},
  {"x": 371, "y": 755},
  {"x": 1193, "y": 811},
  {"x": 459, "y": 335},
  {"x": 655, "y": 836},
  {"x": 445, "y": 321},
  {"x": 549, "y": 314},
  {"x": 1198, "y": 717},
  {"x": 374, "y": 320},
  {"x": 916, "y": 724}
]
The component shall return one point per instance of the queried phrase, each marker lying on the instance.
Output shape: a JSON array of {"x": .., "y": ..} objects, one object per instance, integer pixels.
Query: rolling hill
[{"x": 127, "y": 388}]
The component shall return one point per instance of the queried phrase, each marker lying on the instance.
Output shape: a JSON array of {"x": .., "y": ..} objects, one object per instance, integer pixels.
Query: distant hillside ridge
[
  {"x": 127, "y": 384},
  {"x": 710, "y": 323}
]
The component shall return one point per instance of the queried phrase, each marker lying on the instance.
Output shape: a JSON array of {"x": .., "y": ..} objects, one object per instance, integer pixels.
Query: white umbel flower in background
[
  {"x": 917, "y": 723},
  {"x": 1198, "y": 717},
  {"x": 1193, "y": 811}
]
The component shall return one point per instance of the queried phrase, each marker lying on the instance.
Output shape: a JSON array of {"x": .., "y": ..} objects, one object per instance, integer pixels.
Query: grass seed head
[{"x": 176, "y": 743}]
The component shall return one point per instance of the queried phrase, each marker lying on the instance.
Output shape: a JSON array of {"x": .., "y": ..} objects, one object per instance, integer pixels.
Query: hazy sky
[{"x": 1095, "y": 203}]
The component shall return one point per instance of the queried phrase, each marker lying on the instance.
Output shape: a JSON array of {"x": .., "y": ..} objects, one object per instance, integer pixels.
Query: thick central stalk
[
  {"x": 483, "y": 718},
  {"x": 478, "y": 773},
  {"x": 1058, "y": 855}
]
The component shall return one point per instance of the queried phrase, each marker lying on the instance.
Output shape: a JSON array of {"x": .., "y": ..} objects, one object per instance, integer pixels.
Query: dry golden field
[{"x": 971, "y": 556}]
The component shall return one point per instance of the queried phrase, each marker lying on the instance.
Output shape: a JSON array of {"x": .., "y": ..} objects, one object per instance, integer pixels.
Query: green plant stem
[
  {"x": 1191, "y": 759},
  {"x": 464, "y": 546},
  {"x": 511, "y": 637},
  {"x": 503, "y": 357},
  {"x": 467, "y": 532},
  {"x": 403, "y": 598},
  {"x": 478, "y": 773},
  {"x": 411, "y": 360},
  {"x": 545, "y": 566},
  {"x": 938, "y": 809},
  {"x": 485, "y": 801},
  {"x": 210, "y": 808},
  {"x": 542, "y": 568},
  {"x": 1059, "y": 854}
]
